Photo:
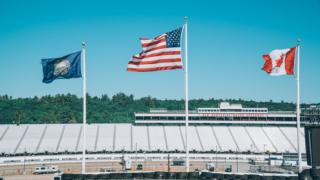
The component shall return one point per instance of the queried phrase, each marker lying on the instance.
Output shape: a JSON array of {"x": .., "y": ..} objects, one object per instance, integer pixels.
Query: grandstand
[
  {"x": 223, "y": 135},
  {"x": 62, "y": 138}
]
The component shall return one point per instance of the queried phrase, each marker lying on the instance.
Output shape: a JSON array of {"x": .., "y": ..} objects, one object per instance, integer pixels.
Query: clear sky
[{"x": 226, "y": 42}]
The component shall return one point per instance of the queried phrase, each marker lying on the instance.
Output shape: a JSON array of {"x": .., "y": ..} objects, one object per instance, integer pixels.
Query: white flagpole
[
  {"x": 84, "y": 90},
  {"x": 298, "y": 104},
  {"x": 186, "y": 90}
]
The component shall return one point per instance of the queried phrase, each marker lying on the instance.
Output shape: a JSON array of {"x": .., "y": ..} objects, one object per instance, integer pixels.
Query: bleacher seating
[
  {"x": 193, "y": 141},
  {"x": 291, "y": 134},
  {"x": 207, "y": 138},
  {"x": 91, "y": 134},
  {"x": 260, "y": 139},
  {"x": 225, "y": 138},
  {"x": 105, "y": 138},
  {"x": 279, "y": 140},
  {"x": 11, "y": 139},
  {"x": 242, "y": 138},
  {"x": 69, "y": 138},
  {"x": 32, "y": 137},
  {"x": 157, "y": 138},
  {"x": 140, "y": 138},
  {"x": 123, "y": 137},
  {"x": 174, "y": 138},
  {"x": 60, "y": 138},
  {"x": 51, "y": 138},
  {"x": 3, "y": 131}
]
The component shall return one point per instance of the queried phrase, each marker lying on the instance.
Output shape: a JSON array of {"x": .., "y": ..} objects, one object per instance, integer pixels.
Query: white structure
[
  {"x": 225, "y": 114},
  {"x": 34, "y": 138}
]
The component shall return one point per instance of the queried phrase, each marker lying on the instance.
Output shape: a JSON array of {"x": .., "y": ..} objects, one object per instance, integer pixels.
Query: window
[
  {"x": 163, "y": 118},
  {"x": 236, "y": 118},
  {"x": 195, "y": 118},
  {"x": 179, "y": 118}
]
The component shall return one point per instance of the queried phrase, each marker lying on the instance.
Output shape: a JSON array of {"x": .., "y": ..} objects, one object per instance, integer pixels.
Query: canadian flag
[{"x": 280, "y": 62}]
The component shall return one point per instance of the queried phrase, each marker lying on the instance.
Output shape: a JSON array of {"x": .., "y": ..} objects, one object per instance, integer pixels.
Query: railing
[
  {"x": 282, "y": 112},
  {"x": 169, "y": 112},
  {"x": 223, "y": 112}
]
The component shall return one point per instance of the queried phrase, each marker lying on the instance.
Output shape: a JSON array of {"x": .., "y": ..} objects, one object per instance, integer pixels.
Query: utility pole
[
  {"x": 237, "y": 162},
  {"x": 217, "y": 156},
  {"x": 168, "y": 162},
  {"x": 24, "y": 162}
]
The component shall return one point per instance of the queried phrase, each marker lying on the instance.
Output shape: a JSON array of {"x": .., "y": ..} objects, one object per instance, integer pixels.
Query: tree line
[{"x": 120, "y": 108}]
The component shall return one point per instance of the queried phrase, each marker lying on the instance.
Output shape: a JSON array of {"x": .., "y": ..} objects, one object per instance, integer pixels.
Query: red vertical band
[
  {"x": 268, "y": 64},
  {"x": 289, "y": 61}
]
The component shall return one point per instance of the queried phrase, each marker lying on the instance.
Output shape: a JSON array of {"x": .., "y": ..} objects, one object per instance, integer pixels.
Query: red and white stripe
[{"x": 155, "y": 56}]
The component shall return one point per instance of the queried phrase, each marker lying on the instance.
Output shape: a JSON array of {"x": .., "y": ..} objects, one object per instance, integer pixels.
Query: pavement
[{"x": 29, "y": 177}]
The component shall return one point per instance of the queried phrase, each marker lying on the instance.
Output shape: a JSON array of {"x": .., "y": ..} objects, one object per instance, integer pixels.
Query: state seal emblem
[{"x": 61, "y": 67}]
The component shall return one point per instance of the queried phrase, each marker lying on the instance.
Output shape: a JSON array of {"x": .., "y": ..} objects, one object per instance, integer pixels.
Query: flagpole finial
[
  {"x": 83, "y": 44},
  {"x": 185, "y": 19},
  {"x": 298, "y": 41}
]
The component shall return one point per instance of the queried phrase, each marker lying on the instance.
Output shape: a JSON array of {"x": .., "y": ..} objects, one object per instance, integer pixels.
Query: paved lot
[
  {"x": 116, "y": 166},
  {"x": 15, "y": 172},
  {"x": 29, "y": 177}
]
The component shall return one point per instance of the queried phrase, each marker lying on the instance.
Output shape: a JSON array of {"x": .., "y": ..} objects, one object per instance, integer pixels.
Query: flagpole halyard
[
  {"x": 298, "y": 105},
  {"x": 84, "y": 91},
  {"x": 186, "y": 91}
]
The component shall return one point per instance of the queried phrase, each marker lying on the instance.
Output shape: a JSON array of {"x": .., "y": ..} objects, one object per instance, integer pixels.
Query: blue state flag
[{"x": 65, "y": 67}]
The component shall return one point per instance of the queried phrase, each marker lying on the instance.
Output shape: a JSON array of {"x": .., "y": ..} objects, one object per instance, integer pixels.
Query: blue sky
[{"x": 226, "y": 42}]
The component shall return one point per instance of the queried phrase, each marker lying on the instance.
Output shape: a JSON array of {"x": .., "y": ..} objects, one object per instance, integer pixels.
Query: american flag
[{"x": 161, "y": 53}]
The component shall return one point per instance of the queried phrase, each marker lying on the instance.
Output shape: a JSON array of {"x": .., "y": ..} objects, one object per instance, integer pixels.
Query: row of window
[
  {"x": 200, "y": 110},
  {"x": 217, "y": 118}
]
